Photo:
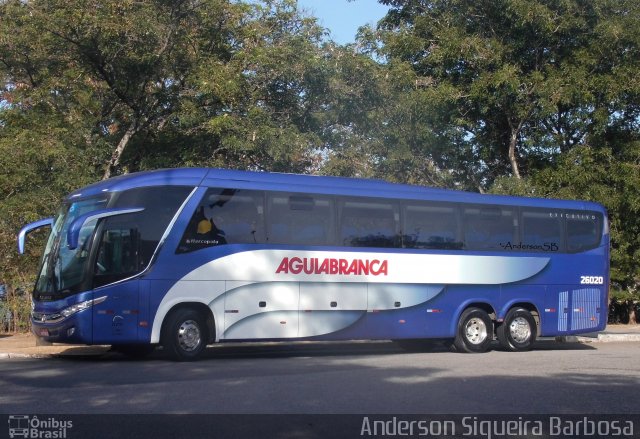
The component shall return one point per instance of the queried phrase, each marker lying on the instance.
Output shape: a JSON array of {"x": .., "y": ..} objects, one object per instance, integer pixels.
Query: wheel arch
[
  {"x": 195, "y": 305},
  {"x": 483, "y": 305}
]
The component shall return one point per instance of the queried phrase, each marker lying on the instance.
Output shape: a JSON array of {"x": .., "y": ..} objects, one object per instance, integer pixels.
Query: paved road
[{"x": 332, "y": 378}]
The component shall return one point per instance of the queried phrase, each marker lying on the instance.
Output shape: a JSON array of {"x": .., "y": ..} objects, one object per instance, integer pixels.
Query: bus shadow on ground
[{"x": 308, "y": 349}]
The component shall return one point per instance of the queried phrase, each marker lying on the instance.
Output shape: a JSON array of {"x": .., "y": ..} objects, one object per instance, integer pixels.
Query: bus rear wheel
[
  {"x": 184, "y": 334},
  {"x": 518, "y": 331},
  {"x": 475, "y": 331}
]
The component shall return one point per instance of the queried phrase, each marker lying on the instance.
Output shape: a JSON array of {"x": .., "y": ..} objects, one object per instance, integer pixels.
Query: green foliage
[
  {"x": 624, "y": 306},
  {"x": 15, "y": 310},
  {"x": 528, "y": 79},
  {"x": 228, "y": 84}
]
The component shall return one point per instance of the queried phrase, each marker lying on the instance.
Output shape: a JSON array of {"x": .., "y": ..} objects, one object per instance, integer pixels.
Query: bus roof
[{"x": 313, "y": 184}]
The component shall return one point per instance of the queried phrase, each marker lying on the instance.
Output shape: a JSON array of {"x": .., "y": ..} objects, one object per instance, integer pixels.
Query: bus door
[
  {"x": 115, "y": 320},
  {"x": 117, "y": 261}
]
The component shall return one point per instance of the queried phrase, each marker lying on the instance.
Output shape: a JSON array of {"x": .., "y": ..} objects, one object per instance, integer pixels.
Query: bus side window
[
  {"x": 118, "y": 256},
  {"x": 239, "y": 216},
  {"x": 369, "y": 223},
  {"x": 225, "y": 216},
  {"x": 488, "y": 228},
  {"x": 542, "y": 231},
  {"x": 302, "y": 219},
  {"x": 430, "y": 226}
]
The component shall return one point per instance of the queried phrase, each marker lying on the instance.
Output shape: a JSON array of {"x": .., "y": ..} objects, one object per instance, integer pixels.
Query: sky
[{"x": 342, "y": 17}]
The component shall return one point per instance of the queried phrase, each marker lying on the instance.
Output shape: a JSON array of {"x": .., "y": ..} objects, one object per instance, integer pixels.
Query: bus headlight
[
  {"x": 73, "y": 309},
  {"x": 66, "y": 312}
]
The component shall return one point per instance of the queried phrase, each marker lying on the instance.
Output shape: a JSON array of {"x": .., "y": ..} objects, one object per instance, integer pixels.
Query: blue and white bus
[{"x": 187, "y": 257}]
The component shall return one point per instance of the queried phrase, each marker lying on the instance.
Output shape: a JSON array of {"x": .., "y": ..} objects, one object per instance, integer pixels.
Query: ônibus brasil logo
[
  {"x": 26, "y": 426},
  {"x": 346, "y": 267}
]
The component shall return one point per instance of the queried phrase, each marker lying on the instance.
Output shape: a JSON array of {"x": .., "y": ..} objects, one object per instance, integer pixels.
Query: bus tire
[
  {"x": 518, "y": 331},
  {"x": 475, "y": 331},
  {"x": 184, "y": 334}
]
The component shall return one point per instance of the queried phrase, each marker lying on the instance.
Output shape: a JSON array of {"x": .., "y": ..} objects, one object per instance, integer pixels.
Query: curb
[
  {"x": 85, "y": 354},
  {"x": 6, "y": 355},
  {"x": 600, "y": 338}
]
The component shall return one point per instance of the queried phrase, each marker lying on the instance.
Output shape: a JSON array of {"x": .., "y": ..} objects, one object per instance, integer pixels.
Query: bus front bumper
[
  {"x": 72, "y": 324},
  {"x": 72, "y": 330}
]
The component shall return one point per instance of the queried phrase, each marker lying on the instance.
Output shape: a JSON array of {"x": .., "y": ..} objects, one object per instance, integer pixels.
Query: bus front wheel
[
  {"x": 475, "y": 331},
  {"x": 518, "y": 331},
  {"x": 184, "y": 334}
]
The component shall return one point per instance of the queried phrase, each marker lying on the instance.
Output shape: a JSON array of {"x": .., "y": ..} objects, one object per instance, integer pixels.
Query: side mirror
[
  {"x": 73, "y": 234},
  {"x": 22, "y": 235}
]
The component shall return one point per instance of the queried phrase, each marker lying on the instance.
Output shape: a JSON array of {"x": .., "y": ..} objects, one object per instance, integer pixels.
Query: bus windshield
[{"x": 63, "y": 269}]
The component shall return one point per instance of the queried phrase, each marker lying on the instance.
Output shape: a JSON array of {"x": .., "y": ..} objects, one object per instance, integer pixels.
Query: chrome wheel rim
[
  {"x": 476, "y": 331},
  {"x": 520, "y": 330},
  {"x": 189, "y": 335}
]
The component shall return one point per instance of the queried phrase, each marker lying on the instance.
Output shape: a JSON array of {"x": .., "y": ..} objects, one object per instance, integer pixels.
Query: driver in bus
[{"x": 208, "y": 233}]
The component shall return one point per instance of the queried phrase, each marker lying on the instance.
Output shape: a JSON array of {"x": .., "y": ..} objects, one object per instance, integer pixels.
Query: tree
[
  {"x": 131, "y": 58},
  {"x": 225, "y": 82},
  {"x": 531, "y": 79},
  {"x": 261, "y": 108},
  {"x": 382, "y": 122}
]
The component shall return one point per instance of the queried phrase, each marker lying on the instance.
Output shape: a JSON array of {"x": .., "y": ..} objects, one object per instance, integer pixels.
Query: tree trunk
[
  {"x": 117, "y": 154},
  {"x": 631, "y": 307},
  {"x": 512, "y": 152}
]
